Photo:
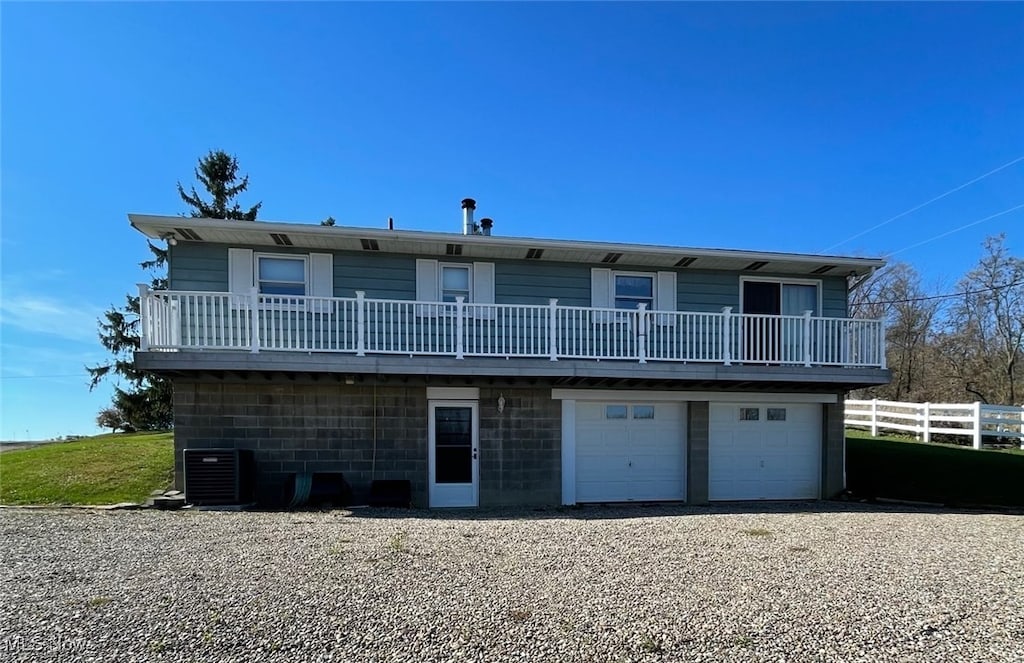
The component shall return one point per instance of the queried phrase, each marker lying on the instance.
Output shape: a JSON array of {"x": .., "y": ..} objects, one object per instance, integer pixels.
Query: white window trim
[
  {"x": 653, "y": 276},
  {"x": 468, "y": 266},
  {"x": 304, "y": 257},
  {"x": 298, "y": 303},
  {"x": 818, "y": 283}
]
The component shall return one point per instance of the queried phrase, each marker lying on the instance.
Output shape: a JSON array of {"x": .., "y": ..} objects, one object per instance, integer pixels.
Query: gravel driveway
[{"x": 783, "y": 583}]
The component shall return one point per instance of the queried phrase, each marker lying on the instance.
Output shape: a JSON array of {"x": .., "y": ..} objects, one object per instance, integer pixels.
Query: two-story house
[{"x": 491, "y": 370}]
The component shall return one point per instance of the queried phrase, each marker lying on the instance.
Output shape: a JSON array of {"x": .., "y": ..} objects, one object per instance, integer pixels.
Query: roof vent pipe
[
  {"x": 468, "y": 227},
  {"x": 485, "y": 226}
]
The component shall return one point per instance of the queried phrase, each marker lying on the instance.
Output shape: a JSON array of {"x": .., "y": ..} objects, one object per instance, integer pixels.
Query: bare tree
[
  {"x": 983, "y": 344},
  {"x": 896, "y": 296}
]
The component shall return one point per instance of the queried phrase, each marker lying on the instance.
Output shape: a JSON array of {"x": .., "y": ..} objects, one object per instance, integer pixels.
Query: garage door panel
[
  {"x": 762, "y": 458},
  {"x": 619, "y": 460},
  {"x": 602, "y": 491},
  {"x": 657, "y": 490}
]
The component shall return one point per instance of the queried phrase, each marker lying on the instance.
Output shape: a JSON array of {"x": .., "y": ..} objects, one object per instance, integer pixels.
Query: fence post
[
  {"x": 1021, "y": 429},
  {"x": 641, "y": 332},
  {"x": 977, "y": 424},
  {"x": 807, "y": 339},
  {"x": 927, "y": 422},
  {"x": 553, "y": 329},
  {"x": 874, "y": 417},
  {"x": 458, "y": 328},
  {"x": 254, "y": 319},
  {"x": 727, "y": 335},
  {"x": 144, "y": 318},
  {"x": 360, "y": 323}
]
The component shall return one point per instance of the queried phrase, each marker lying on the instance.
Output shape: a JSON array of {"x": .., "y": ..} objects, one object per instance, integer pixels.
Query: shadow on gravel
[{"x": 654, "y": 510}]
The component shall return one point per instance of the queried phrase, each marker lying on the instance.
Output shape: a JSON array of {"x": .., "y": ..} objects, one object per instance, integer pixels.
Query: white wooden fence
[{"x": 973, "y": 420}]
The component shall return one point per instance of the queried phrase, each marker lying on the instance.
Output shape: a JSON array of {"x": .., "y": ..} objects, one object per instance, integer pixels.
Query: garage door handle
[
  {"x": 631, "y": 463},
  {"x": 762, "y": 463}
]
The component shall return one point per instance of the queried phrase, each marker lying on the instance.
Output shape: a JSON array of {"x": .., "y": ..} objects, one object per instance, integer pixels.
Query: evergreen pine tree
[{"x": 147, "y": 401}]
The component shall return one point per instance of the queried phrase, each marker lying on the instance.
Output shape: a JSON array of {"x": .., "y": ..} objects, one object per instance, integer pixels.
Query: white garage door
[
  {"x": 759, "y": 451},
  {"x": 630, "y": 451}
]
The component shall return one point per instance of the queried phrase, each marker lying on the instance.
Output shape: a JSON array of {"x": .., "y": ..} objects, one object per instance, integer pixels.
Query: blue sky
[{"x": 786, "y": 127}]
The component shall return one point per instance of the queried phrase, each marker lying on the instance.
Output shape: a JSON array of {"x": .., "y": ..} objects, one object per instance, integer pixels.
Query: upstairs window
[
  {"x": 455, "y": 280},
  {"x": 631, "y": 290},
  {"x": 281, "y": 275}
]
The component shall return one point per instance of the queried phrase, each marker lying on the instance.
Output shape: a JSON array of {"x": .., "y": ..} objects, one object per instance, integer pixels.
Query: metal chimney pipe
[
  {"x": 468, "y": 227},
  {"x": 485, "y": 226}
]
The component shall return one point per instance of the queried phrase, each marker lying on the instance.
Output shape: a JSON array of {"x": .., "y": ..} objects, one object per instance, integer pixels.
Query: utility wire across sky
[{"x": 925, "y": 204}]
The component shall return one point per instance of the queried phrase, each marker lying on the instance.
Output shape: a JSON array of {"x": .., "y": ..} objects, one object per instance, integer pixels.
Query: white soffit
[{"x": 411, "y": 242}]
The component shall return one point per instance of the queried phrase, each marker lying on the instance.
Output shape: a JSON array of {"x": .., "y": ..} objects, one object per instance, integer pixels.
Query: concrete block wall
[
  {"x": 520, "y": 447},
  {"x": 297, "y": 427},
  {"x": 311, "y": 427},
  {"x": 833, "y": 448},
  {"x": 697, "y": 461}
]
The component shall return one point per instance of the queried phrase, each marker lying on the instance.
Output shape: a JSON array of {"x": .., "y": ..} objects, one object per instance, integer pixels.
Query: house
[{"x": 491, "y": 370}]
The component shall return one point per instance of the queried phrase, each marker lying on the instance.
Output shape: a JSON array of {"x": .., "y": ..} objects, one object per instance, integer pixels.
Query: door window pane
[
  {"x": 615, "y": 412},
  {"x": 797, "y": 298},
  {"x": 643, "y": 411},
  {"x": 776, "y": 414},
  {"x": 453, "y": 445},
  {"x": 749, "y": 414}
]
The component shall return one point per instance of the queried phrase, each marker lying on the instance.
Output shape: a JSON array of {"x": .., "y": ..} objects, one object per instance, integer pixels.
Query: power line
[
  {"x": 926, "y": 203},
  {"x": 954, "y": 294},
  {"x": 956, "y": 230}
]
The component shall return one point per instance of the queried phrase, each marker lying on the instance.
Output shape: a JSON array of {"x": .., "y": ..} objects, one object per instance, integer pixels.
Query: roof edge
[{"x": 152, "y": 225}]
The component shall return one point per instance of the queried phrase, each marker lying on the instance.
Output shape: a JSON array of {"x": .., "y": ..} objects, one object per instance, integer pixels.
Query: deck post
[
  {"x": 254, "y": 320},
  {"x": 459, "y": 326},
  {"x": 807, "y": 339},
  {"x": 641, "y": 329},
  {"x": 977, "y": 424},
  {"x": 881, "y": 344},
  {"x": 727, "y": 335},
  {"x": 553, "y": 329},
  {"x": 360, "y": 323},
  {"x": 144, "y": 318}
]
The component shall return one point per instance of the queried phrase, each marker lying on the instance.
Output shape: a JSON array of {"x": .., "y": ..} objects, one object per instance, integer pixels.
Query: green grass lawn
[
  {"x": 904, "y": 469},
  {"x": 105, "y": 469}
]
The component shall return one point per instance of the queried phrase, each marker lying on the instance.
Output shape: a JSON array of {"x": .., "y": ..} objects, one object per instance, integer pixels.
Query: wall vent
[
  {"x": 685, "y": 262},
  {"x": 370, "y": 245},
  {"x": 756, "y": 265},
  {"x": 453, "y": 249},
  {"x": 534, "y": 254},
  {"x": 823, "y": 269},
  {"x": 187, "y": 233},
  {"x": 281, "y": 239},
  {"x": 611, "y": 257}
]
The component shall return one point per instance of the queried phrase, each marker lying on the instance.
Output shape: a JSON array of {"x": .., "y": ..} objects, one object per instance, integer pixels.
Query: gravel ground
[{"x": 778, "y": 583}]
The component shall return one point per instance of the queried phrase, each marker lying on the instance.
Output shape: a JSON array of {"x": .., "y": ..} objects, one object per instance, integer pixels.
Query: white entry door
[
  {"x": 630, "y": 451},
  {"x": 764, "y": 451},
  {"x": 453, "y": 455}
]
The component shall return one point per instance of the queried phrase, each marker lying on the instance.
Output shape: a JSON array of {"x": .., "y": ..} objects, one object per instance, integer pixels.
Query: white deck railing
[
  {"x": 181, "y": 320},
  {"x": 973, "y": 420}
]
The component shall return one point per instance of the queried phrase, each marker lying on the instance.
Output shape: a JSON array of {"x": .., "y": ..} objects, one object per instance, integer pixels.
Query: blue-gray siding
[{"x": 387, "y": 276}]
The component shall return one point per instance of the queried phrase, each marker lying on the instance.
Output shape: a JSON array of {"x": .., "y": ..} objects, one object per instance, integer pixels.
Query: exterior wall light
[{"x": 501, "y": 403}]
